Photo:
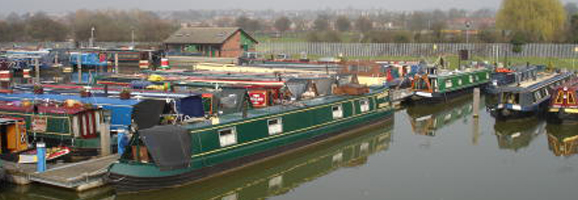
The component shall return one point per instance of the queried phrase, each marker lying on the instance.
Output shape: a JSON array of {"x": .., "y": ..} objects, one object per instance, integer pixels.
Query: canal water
[{"x": 426, "y": 152}]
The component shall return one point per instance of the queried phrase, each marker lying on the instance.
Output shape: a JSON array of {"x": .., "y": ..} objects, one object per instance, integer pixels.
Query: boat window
[
  {"x": 571, "y": 98},
  {"x": 228, "y": 136},
  {"x": 275, "y": 126},
  {"x": 459, "y": 82},
  {"x": 560, "y": 98},
  {"x": 512, "y": 98},
  {"x": 337, "y": 111},
  {"x": 364, "y": 105},
  {"x": 448, "y": 83},
  {"x": 471, "y": 79},
  {"x": 487, "y": 75},
  {"x": 537, "y": 96},
  {"x": 434, "y": 84},
  {"x": 545, "y": 92}
]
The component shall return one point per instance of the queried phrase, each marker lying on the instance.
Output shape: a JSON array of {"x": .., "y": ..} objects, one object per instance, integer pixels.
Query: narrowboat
[
  {"x": 516, "y": 135},
  {"x": 563, "y": 139},
  {"x": 505, "y": 77},
  {"x": 529, "y": 98},
  {"x": 427, "y": 120},
  {"x": 374, "y": 73},
  {"x": 564, "y": 106},
  {"x": 437, "y": 85},
  {"x": 57, "y": 123},
  {"x": 288, "y": 172},
  {"x": 172, "y": 155}
]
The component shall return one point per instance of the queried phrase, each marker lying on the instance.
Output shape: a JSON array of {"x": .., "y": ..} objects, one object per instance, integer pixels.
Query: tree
[
  {"x": 321, "y": 23},
  {"x": 438, "y": 29},
  {"x": 571, "y": 8},
  {"x": 282, "y": 24},
  {"x": 537, "y": 20},
  {"x": 573, "y": 29},
  {"x": 363, "y": 24},
  {"x": 40, "y": 27},
  {"x": 343, "y": 23}
]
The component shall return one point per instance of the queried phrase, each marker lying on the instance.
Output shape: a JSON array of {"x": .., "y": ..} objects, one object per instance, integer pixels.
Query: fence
[
  {"x": 73, "y": 45},
  {"x": 369, "y": 49},
  {"x": 419, "y": 49}
]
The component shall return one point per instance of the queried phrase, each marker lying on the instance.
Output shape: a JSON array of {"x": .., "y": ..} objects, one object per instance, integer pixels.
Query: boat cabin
[
  {"x": 13, "y": 135},
  {"x": 527, "y": 96}
]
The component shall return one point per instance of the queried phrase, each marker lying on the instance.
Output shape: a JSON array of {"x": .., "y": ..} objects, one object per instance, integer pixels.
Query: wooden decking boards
[{"x": 78, "y": 176}]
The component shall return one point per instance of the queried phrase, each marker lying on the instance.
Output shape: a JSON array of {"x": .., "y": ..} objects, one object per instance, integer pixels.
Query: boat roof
[
  {"x": 57, "y": 97},
  {"x": 540, "y": 82},
  {"x": 278, "y": 109}
]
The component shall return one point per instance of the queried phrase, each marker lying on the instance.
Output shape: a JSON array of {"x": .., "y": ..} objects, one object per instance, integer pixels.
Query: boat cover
[
  {"x": 231, "y": 100},
  {"x": 191, "y": 106},
  {"x": 297, "y": 87},
  {"x": 169, "y": 146},
  {"x": 323, "y": 86},
  {"x": 147, "y": 113}
]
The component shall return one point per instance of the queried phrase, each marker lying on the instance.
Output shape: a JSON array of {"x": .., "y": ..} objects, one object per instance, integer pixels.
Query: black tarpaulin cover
[
  {"x": 169, "y": 146},
  {"x": 147, "y": 113}
]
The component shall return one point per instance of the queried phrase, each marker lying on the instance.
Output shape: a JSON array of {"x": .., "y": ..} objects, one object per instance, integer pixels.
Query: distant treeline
[{"x": 109, "y": 25}]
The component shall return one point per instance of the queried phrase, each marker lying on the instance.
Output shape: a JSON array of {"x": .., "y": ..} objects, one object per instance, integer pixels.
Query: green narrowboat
[
  {"x": 285, "y": 173},
  {"x": 440, "y": 85},
  {"x": 171, "y": 155},
  {"x": 57, "y": 123}
]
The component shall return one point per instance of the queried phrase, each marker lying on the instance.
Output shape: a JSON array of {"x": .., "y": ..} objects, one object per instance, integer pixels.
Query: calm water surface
[{"x": 427, "y": 152}]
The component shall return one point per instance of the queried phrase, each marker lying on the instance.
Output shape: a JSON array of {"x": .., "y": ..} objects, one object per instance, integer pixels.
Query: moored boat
[
  {"x": 529, "y": 98},
  {"x": 193, "y": 151},
  {"x": 564, "y": 105},
  {"x": 437, "y": 85}
]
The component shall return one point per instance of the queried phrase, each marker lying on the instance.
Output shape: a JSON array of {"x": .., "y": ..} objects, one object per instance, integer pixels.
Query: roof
[{"x": 204, "y": 35}]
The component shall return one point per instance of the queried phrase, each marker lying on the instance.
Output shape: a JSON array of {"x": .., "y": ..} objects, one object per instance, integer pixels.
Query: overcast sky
[{"x": 20, "y": 6}]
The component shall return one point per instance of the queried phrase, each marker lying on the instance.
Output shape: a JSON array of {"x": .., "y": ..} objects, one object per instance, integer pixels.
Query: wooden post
[
  {"x": 116, "y": 63},
  {"x": 104, "y": 138},
  {"x": 476, "y": 131},
  {"x": 37, "y": 70},
  {"x": 79, "y": 66},
  {"x": 476, "y": 102}
]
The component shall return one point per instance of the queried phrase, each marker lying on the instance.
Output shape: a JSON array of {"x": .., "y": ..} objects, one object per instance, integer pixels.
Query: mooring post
[
  {"x": 116, "y": 63},
  {"x": 476, "y": 102},
  {"x": 104, "y": 138},
  {"x": 37, "y": 70},
  {"x": 41, "y": 155},
  {"x": 79, "y": 66}
]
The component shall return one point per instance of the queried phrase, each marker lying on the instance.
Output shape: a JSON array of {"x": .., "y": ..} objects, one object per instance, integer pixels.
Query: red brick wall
[{"x": 232, "y": 46}]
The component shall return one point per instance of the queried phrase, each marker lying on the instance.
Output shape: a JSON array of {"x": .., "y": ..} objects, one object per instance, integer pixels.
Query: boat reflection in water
[
  {"x": 270, "y": 178},
  {"x": 427, "y": 119},
  {"x": 563, "y": 139},
  {"x": 515, "y": 135}
]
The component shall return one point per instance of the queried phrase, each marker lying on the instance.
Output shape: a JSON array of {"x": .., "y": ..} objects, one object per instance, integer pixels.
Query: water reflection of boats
[
  {"x": 563, "y": 139},
  {"x": 284, "y": 173},
  {"x": 515, "y": 135},
  {"x": 426, "y": 119}
]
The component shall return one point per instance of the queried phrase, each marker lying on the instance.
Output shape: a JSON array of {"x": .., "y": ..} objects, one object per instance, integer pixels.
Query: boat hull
[{"x": 141, "y": 178}]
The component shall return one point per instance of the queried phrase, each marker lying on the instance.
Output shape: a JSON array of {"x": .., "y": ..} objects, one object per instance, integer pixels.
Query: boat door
[{"x": 13, "y": 137}]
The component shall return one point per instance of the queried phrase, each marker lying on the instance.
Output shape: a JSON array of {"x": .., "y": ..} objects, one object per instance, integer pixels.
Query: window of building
[
  {"x": 337, "y": 111},
  {"x": 275, "y": 126},
  {"x": 228, "y": 136}
]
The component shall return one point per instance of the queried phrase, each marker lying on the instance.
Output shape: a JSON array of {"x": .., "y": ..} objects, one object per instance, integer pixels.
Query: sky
[{"x": 20, "y": 6}]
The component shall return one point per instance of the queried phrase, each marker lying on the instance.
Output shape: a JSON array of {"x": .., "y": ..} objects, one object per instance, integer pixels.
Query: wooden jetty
[{"x": 79, "y": 176}]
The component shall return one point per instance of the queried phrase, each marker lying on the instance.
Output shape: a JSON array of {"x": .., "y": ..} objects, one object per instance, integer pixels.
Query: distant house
[{"x": 211, "y": 41}]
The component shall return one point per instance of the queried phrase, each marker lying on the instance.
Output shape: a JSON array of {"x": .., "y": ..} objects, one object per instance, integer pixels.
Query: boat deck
[
  {"x": 538, "y": 80},
  {"x": 78, "y": 176}
]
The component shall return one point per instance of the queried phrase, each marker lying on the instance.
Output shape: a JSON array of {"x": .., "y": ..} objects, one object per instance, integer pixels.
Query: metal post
[
  {"x": 476, "y": 102},
  {"x": 79, "y": 66},
  {"x": 41, "y": 155},
  {"x": 37, "y": 70},
  {"x": 116, "y": 63}
]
